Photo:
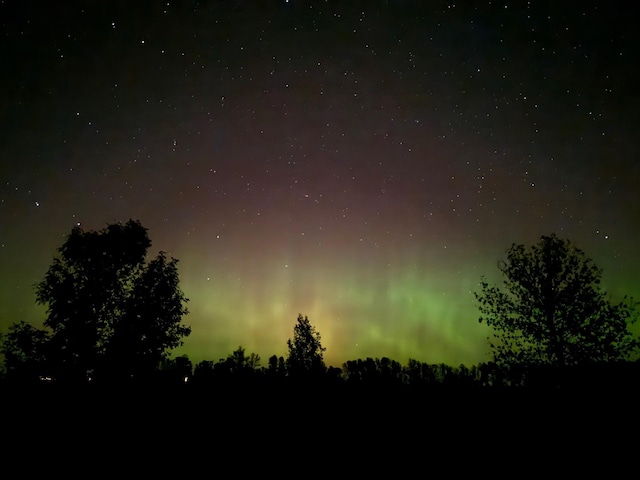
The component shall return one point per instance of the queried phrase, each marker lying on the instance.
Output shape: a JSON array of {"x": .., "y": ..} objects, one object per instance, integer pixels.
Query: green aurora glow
[{"x": 362, "y": 165}]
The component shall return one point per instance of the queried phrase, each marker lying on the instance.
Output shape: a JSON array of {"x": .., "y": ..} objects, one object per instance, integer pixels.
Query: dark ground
[{"x": 302, "y": 432}]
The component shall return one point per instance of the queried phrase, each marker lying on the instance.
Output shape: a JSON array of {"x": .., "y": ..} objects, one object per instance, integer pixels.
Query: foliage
[
  {"x": 305, "y": 356},
  {"x": 24, "y": 349},
  {"x": 238, "y": 363},
  {"x": 552, "y": 311},
  {"x": 176, "y": 370},
  {"x": 277, "y": 366},
  {"x": 383, "y": 371},
  {"x": 110, "y": 312},
  {"x": 151, "y": 322}
]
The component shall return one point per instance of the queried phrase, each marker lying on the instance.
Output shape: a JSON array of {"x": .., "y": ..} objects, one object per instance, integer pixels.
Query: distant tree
[
  {"x": 419, "y": 373},
  {"x": 351, "y": 371},
  {"x": 383, "y": 372},
  {"x": 442, "y": 372},
  {"x": 390, "y": 371},
  {"x": 335, "y": 375},
  {"x": 461, "y": 376},
  {"x": 277, "y": 366},
  {"x": 238, "y": 365},
  {"x": 109, "y": 311},
  {"x": 24, "y": 350},
  {"x": 305, "y": 357},
  {"x": 552, "y": 311},
  {"x": 203, "y": 372},
  {"x": 253, "y": 361},
  {"x": 370, "y": 372},
  {"x": 176, "y": 370},
  {"x": 273, "y": 363},
  {"x": 490, "y": 374},
  {"x": 239, "y": 361}
]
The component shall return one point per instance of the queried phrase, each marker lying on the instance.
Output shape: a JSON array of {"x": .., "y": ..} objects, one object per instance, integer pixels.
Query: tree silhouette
[
  {"x": 277, "y": 366},
  {"x": 419, "y": 373},
  {"x": 552, "y": 312},
  {"x": 239, "y": 364},
  {"x": 175, "y": 371},
  {"x": 24, "y": 349},
  {"x": 305, "y": 357},
  {"x": 151, "y": 322},
  {"x": 109, "y": 312},
  {"x": 203, "y": 372}
]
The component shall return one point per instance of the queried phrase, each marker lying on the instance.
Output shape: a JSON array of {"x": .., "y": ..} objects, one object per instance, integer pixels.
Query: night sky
[{"x": 361, "y": 163}]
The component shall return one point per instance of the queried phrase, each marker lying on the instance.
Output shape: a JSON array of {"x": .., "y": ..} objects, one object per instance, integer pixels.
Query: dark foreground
[{"x": 303, "y": 431}]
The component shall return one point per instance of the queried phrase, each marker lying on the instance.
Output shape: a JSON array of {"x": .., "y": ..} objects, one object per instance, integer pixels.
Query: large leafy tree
[
  {"x": 150, "y": 324},
  {"x": 109, "y": 311},
  {"x": 305, "y": 358},
  {"x": 551, "y": 310}
]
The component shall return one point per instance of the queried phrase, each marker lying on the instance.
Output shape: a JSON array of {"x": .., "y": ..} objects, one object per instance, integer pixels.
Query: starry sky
[{"x": 363, "y": 163}]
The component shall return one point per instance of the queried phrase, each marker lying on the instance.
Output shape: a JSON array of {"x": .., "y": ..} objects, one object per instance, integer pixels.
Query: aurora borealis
[{"x": 360, "y": 163}]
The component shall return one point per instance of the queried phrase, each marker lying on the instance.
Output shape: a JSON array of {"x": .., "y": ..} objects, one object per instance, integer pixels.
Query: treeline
[
  {"x": 385, "y": 372},
  {"x": 240, "y": 369}
]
